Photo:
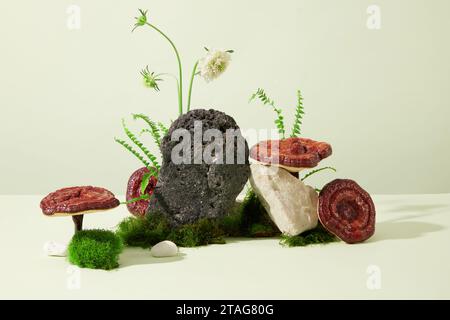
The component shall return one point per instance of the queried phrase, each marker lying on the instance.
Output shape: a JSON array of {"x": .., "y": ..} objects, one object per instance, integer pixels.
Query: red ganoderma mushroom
[
  {"x": 347, "y": 210},
  {"x": 138, "y": 208},
  {"x": 292, "y": 154},
  {"x": 78, "y": 201}
]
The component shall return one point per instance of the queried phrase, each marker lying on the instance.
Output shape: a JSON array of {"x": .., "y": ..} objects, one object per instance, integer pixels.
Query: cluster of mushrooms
[{"x": 343, "y": 207}]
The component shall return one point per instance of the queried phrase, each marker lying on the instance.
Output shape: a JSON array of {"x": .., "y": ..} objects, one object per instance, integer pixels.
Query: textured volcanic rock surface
[
  {"x": 189, "y": 191},
  {"x": 78, "y": 199},
  {"x": 347, "y": 210}
]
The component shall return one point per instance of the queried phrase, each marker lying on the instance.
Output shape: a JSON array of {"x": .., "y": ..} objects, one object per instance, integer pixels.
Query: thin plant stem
[
  {"x": 180, "y": 68},
  {"x": 317, "y": 170},
  {"x": 194, "y": 72}
]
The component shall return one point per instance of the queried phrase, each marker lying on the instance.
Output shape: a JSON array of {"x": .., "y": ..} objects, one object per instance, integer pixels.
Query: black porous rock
[{"x": 200, "y": 188}]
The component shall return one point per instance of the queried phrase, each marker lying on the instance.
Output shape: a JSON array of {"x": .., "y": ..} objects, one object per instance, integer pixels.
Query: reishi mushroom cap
[
  {"x": 139, "y": 208},
  {"x": 293, "y": 153},
  {"x": 75, "y": 201},
  {"x": 347, "y": 210}
]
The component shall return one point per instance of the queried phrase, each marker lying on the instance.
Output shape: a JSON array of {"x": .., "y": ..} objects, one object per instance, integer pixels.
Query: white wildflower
[{"x": 214, "y": 64}]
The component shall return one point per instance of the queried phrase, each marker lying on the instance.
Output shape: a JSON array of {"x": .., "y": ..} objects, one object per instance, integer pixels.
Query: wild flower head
[
  {"x": 150, "y": 79},
  {"x": 141, "y": 20},
  {"x": 214, "y": 63}
]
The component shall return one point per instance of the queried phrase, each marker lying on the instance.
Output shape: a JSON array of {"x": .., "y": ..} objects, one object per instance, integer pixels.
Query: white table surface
[{"x": 409, "y": 255}]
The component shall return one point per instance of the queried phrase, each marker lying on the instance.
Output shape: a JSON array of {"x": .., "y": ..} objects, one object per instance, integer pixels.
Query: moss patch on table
[
  {"x": 247, "y": 219},
  {"x": 318, "y": 235},
  {"x": 95, "y": 249},
  {"x": 147, "y": 231}
]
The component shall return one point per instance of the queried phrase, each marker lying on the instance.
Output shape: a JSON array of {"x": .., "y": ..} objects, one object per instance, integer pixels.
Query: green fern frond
[
  {"x": 154, "y": 128},
  {"x": 317, "y": 170},
  {"x": 140, "y": 145},
  {"x": 154, "y": 172},
  {"x": 156, "y": 136},
  {"x": 279, "y": 121},
  {"x": 146, "y": 179},
  {"x": 261, "y": 95},
  {"x": 144, "y": 182},
  {"x": 142, "y": 197},
  {"x": 145, "y": 131},
  {"x": 133, "y": 151},
  {"x": 299, "y": 112}
]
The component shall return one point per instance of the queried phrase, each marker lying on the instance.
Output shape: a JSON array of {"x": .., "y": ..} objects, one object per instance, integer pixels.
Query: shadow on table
[
  {"x": 401, "y": 228},
  {"x": 138, "y": 256},
  {"x": 396, "y": 230},
  {"x": 421, "y": 209}
]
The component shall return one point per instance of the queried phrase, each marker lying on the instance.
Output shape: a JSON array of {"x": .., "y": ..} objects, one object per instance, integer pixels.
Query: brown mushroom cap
[
  {"x": 347, "y": 210},
  {"x": 291, "y": 153},
  {"x": 78, "y": 201},
  {"x": 139, "y": 208}
]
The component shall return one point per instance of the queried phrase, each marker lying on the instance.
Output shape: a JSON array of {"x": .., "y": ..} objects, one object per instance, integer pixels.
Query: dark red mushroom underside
[
  {"x": 347, "y": 210},
  {"x": 139, "y": 208},
  {"x": 78, "y": 199},
  {"x": 291, "y": 152}
]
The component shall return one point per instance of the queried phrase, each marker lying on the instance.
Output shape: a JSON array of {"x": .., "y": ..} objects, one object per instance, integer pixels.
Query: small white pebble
[
  {"x": 164, "y": 249},
  {"x": 55, "y": 249}
]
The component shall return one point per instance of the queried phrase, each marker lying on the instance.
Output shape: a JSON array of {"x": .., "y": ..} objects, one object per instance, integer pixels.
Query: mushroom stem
[{"x": 78, "y": 221}]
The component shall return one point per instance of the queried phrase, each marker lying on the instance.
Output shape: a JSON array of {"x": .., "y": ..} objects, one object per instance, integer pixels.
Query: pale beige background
[{"x": 381, "y": 98}]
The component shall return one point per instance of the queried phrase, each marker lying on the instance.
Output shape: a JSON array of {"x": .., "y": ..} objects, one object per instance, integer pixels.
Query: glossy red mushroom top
[
  {"x": 139, "y": 208},
  {"x": 73, "y": 200},
  {"x": 291, "y": 152},
  {"x": 347, "y": 210}
]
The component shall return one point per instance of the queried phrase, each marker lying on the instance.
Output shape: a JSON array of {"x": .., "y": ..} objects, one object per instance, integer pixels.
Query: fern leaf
[
  {"x": 140, "y": 145},
  {"x": 145, "y": 131},
  {"x": 154, "y": 128},
  {"x": 156, "y": 137},
  {"x": 299, "y": 112},
  {"x": 144, "y": 182},
  {"x": 146, "y": 179},
  {"x": 317, "y": 170},
  {"x": 142, "y": 197},
  {"x": 154, "y": 172},
  {"x": 133, "y": 151},
  {"x": 163, "y": 128},
  {"x": 279, "y": 121}
]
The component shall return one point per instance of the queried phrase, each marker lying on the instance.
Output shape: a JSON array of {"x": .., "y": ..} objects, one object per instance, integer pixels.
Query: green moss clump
[
  {"x": 202, "y": 232},
  {"x": 143, "y": 232},
  {"x": 318, "y": 235},
  {"x": 258, "y": 230},
  {"x": 231, "y": 224},
  {"x": 147, "y": 231},
  {"x": 255, "y": 222},
  {"x": 249, "y": 219},
  {"x": 95, "y": 249}
]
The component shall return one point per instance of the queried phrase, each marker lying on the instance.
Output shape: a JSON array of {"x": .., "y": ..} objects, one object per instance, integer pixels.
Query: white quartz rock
[
  {"x": 164, "y": 249},
  {"x": 55, "y": 249},
  {"x": 290, "y": 203}
]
